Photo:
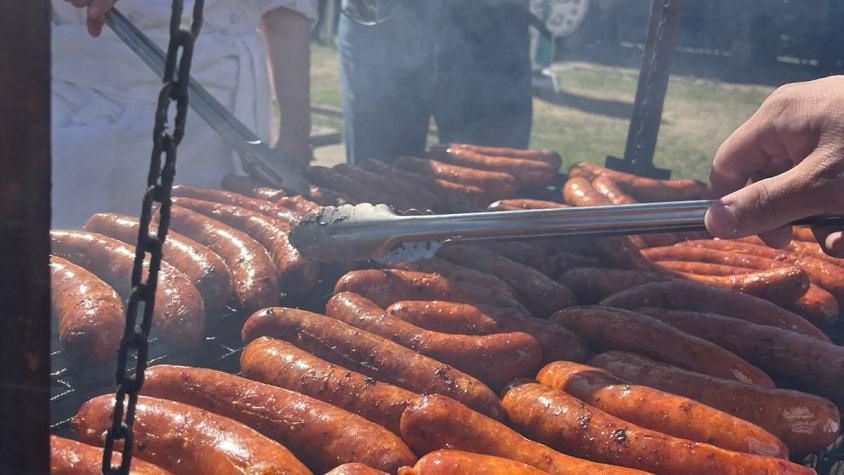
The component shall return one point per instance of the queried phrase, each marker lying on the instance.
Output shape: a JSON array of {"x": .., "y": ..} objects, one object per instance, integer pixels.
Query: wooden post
[
  {"x": 24, "y": 236},
  {"x": 650, "y": 92}
]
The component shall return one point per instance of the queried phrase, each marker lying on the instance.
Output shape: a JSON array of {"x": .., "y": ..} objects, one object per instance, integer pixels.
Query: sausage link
[
  {"x": 229, "y": 198},
  {"x": 374, "y": 181},
  {"x": 327, "y": 197},
  {"x": 295, "y": 273},
  {"x": 610, "y": 190},
  {"x": 557, "y": 419},
  {"x": 783, "y": 285},
  {"x": 89, "y": 314},
  {"x": 818, "y": 365},
  {"x": 254, "y": 276},
  {"x": 498, "y": 185},
  {"x": 660, "y": 411},
  {"x": 616, "y": 329},
  {"x": 437, "y": 422},
  {"x": 387, "y": 286},
  {"x": 593, "y": 284},
  {"x": 805, "y": 234},
  {"x": 435, "y": 265},
  {"x": 282, "y": 364},
  {"x": 247, "y": 186},
  {"x": 370, "y": 354},
  {"x": 299, "y": 205},
  {"x": 563, "y": 262},
  {"x": 69, "y": 457},
  {"x": 557, "y": 342},
  {"x": 188, "y": 440},
  {"x": 179, "y": 312},
  {"x": 528, "y": 173},
  {"x": 320, "y": 435},
  {"x": 542, "y": 294},
  {"x": 205, "y": 268},
  {"x": 550, "y": 157},
  {"x": 804, "y": 422},
  {"x": 523, "y": 253},
  {"x": 458, "y": 462},
  {"x": 493, "y": 359},
  {"x": 523, "y": 204},
  {"x": 324, "y": 176},
  {"x": 354, "y": 469},
  {"x": 693, "y": 296},
  {"x": 643, "y": 189}
]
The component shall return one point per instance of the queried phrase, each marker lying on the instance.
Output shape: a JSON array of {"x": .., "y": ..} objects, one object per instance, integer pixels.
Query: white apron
[{"x": 104, "y": 101}]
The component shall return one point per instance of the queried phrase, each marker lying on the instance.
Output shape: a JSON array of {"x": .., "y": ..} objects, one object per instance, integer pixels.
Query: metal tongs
[
  {"x": 364, "y": 231},
  {"x": 255, "y": 155}
]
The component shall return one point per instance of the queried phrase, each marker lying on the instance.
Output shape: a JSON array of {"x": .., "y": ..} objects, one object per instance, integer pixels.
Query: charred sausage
[
  {"x": 365, "y": 178},
  {"x": 282, "y": 364},
  {"x": 371, "y": 354},
  {"x": 69, "y": 457},
  {"x": 498, "y": 185},
  {"x": 319, "y": 434},
  {"x": 89, "y": 314},
  {"x": 205, "y": 268},
  {"x": 557, "y": 419},
  {"x": 494, "y": 359},
  {"x": 179, "y": 312},
  {"x": 188, "y": 440}
]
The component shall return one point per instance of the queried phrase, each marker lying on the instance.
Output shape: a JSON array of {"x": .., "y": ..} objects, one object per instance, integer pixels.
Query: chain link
[{"x": 159, "y": 185}]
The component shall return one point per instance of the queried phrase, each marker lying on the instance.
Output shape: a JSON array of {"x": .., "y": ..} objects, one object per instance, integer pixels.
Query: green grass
[{"x": 698, "y": 114}]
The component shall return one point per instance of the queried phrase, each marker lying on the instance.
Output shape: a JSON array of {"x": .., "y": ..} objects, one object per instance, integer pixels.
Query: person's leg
[
  {"x": 384, "y": 70},
  {"x": 483, "y": 75}
]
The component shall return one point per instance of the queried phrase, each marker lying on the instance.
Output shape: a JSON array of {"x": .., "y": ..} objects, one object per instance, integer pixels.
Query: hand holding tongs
[
  {"x": 256, "y": 158},
  {"x": 364, "y": 231}
]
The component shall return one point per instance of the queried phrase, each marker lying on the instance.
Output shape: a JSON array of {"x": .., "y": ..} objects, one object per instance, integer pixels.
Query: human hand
[
  {"x": 785, "y": 163},
  {"x": 96, "y": 10},
  {"x": 298, "y": 151}
]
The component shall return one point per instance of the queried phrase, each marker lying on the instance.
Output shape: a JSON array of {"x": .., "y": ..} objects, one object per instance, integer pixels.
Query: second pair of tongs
[{"x": 364, "y": 231}]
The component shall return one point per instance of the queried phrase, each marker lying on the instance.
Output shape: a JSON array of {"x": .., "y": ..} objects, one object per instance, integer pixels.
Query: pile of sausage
[{"x": 556, "y": 356}]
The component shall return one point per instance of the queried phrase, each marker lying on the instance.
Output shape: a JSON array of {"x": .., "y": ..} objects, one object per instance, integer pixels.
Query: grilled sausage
[
  {"x": 557, "y": 343},
  {"x": 543, "y": 295},
  {"x": 819, "y": 365},
  {"x": 615, "y": 195},
  {"x": 207, "y": 270},
  {"x": 660, "y": 411},
  {"x": 528, "y": 173},
  {"x": 437, "y": 422},
  {"x": 563, "y": 262},
  {"x": 295, "y": 273},
  {"x": 593, "y": 284},
  {"x": 282, "y": 364},
  {"x": 452, "y": 196},
  {"x": 458, "y": 462},
  {"x": 498, "y": 185},
  {"x": 800, "y": 233},
  {"x": 247, "y": 186},
  {"x": 370, "y": 354},
  {"x": 643, "y": 189},
  {"x": 319, "y": 434},
  {"x": 327, "y": 197},
  {"x": 523, "y": 253},
  {"x": 493, "y": 359},
  {"x": 783, "y": 286},
  {"x": 229, "y": 198},
  {"x": 421, "y": 201},
  {"x": 544, "y": 155},
  {"x": 817, "y": 306},
  {"x": 388, "y": 286},
  {"x": 523, "y": 204},
  {"x": 451, "y": 271},
  {"x": 188, "y": 440},
  {"x": 179, "y": 313},
  {"x": 616, "y": 329},
  {"x": 69, "y": 457},
  {"x": 89, "y": 314},
  {"x": 557, "y": 419},
  {"x": 344, "y": 183},
  {"x": 354, "y": 469},
  {"x": 254, "y": 276},
  {"x": 693, "y": 296},
  {"x": 299, "y": 205},
  {"x": 805, "y": 423}
]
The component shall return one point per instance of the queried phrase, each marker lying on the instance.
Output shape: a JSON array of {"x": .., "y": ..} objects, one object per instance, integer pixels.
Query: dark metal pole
[
  {"x": 24, "y": 237},
  {"x": 650, "y": 92}
]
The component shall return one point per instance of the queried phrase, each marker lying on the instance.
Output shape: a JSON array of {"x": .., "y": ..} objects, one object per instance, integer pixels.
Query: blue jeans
[{"x": 465, "y": 63}]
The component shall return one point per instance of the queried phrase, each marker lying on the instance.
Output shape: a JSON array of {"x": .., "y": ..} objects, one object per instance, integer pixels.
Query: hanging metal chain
[{"x": 159, "y": 186}]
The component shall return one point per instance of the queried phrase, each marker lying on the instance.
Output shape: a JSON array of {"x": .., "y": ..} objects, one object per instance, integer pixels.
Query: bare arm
[
  {"x": 96, "y": 10},
  {"x": 286, "y": 34}
]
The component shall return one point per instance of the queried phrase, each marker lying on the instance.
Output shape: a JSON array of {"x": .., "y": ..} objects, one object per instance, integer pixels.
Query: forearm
[{"x": 286, "y": 34}]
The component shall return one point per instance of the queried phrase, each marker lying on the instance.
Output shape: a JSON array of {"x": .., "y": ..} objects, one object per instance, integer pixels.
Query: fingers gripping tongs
[
  {"x": 255, "y": 155},
  {"x": 364, "y": 231}
]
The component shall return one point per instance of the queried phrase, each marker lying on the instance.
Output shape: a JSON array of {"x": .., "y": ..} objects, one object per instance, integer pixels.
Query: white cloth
[{"x": 104, "y": 101}]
